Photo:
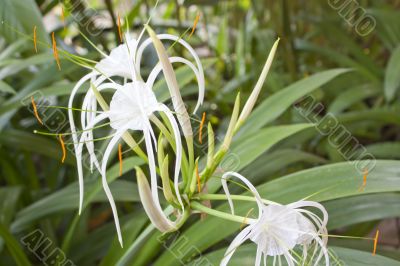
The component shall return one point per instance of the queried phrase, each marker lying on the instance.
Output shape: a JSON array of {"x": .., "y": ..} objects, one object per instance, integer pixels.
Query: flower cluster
[
  {"x": 132, "y": 107},
  {"x": 277, "y": 231}
]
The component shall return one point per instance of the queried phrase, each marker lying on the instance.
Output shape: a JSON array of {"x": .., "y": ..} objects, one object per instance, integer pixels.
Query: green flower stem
[
  {"x": 223, "y": 215},
  {"x": 209, "y": 170},
  {"x": 233, "y": 197}
]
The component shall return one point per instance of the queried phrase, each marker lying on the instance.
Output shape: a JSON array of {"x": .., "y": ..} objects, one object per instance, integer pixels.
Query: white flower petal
[
  {"x": 248, "y": 184},
  {"x": 178, "y": 158},
  {"x": 75, "y": 136},
  {"x": 258, "y": 256},
  {"x": 200, "y": 77},
  {"x": 106, "y": 188},
  {"x": 239, "y": 239}
]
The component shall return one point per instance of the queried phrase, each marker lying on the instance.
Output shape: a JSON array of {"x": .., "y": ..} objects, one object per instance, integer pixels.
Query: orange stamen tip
[
  {"x": 120, "y": 158},
  {"x": 55, "y": 51},
  {"x": 119, "y": 28},
  {"x": 365, "y": 174},
  {"x": 196, "y": 20},
  {"x": 62, "y": 16},
  {"x": 198, "y": 178},
  {"x": 203, "y": 119},
  {"x": 375, "y": 242},
  {"x": 35, "y": 38},
  {"x": 64, "y": 152},
  {"x": 35, "y": 111}
]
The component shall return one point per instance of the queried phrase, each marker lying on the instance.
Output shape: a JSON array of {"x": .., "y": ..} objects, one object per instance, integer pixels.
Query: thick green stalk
[
  {"x": 223, "y": 215},
  {"x": 233, "y": 197}
]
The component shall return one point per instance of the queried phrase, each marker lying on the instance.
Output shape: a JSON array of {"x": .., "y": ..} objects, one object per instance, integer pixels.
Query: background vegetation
[{"x": 286, "y": 161}]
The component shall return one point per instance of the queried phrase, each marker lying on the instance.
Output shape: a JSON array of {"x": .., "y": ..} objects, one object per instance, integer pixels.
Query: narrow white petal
[
  {"x": 200, "y": 77},
  {"x": 248, "y": 184},
  {"x": 178, "y": 158},
  {"x": 237, "y": 241},
  {"x": 75, "y": 136},
  {"x": 78, "y": 154},
  {"x": 258, "y": 256},
  {"x": 106, "y": 188},
  {"x": 289, "y": 258}
]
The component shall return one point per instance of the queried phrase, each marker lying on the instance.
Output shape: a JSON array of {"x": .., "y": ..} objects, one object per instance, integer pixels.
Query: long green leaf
[
  {"x": 67, "y": 198},
  {"x": 392, "y": 77},
  {"x": 245, "y": 255},
  {"x": 14, "y": 247},
  {"x": 358, "y": 209},
  {"x": 21, "y": 15},
  {"x": 248, "y": 148},
  {"x": 275, "y": 105}
]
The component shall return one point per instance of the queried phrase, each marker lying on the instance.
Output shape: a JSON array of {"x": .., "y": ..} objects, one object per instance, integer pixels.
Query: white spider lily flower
[
  {"x": 123, "y": 61},
  {"x": 280, "y": 228},
  {"x": 131, "y": 107}
]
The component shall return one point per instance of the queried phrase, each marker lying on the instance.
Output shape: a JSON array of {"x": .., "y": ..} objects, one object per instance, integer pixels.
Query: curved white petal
[
  {"x": 106, "y": 188},
  {"x": 152, "y": 166},
  {"x": 200, "y": 77},
  {"x": 248, "y": 184},
  {"x": 178, "y": 158},
  {"x": 75, "y": 136},
  {"x": 258, "y": 256},
  {"x": 175, "y": 59},
  {"x": 239, "y": 239},
  {"x": 90, "y": 103},
  {"x": 304, "y": 203},
  {"x": 78, "y": 154}
]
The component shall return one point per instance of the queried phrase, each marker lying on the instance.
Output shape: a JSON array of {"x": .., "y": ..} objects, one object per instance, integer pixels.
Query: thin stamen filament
[{"x": 70, "y": 133}]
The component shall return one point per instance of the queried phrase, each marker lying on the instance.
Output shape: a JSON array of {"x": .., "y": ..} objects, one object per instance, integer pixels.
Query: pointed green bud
[
  {"x": 160, "y": 150},
  {"x": 168, "y": 194},
  {"x": 195, "y": 178},
  {"x": 232, "y": 124},
  {"x": 248, "y": 107},
  {"x": 211, "y": 139}
]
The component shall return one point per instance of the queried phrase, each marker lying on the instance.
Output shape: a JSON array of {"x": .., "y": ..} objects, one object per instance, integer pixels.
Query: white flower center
[
  {"x": 280, "y": 229},
  {"x": 132, "y": 103},
  {"x": 117, "y": 63}
]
